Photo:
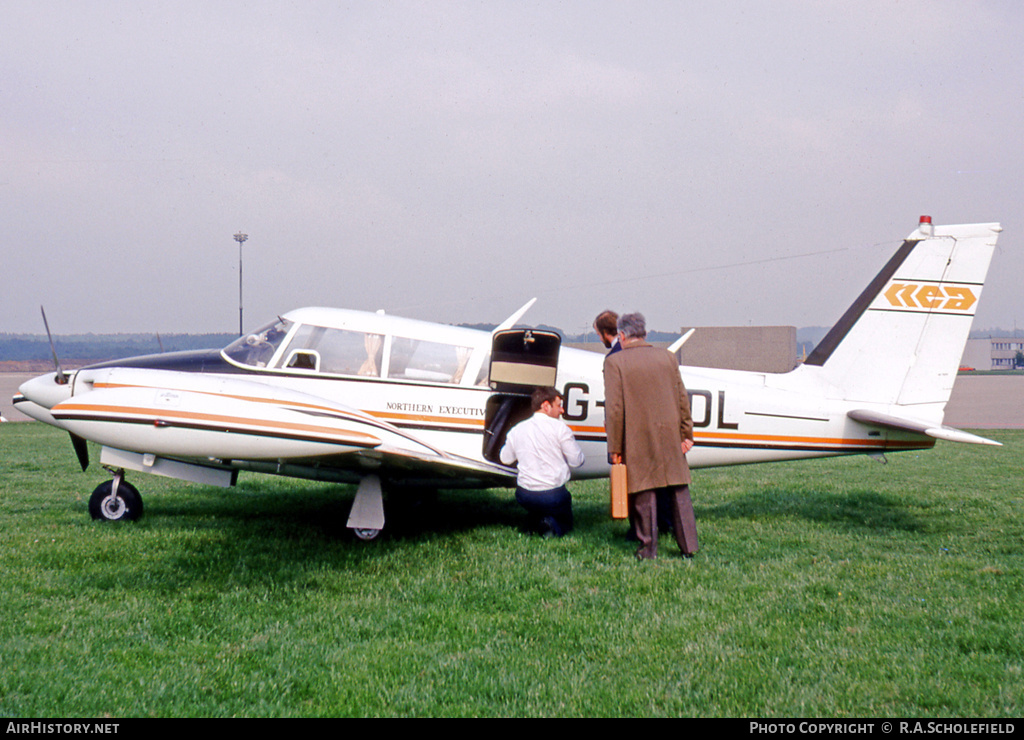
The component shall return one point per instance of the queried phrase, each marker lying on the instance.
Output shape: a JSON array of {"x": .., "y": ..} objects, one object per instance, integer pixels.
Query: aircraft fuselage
[{"x": 380, "y": 400}]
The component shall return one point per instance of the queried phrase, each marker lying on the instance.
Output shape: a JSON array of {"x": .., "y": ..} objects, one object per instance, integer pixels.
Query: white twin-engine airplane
[{"x": 390, "y": 403}]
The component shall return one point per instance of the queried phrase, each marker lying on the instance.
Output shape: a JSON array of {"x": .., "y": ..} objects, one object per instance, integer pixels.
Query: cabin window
[
  {"x": 413, "y": 359},
  {"x": 340, "y": 352},
  {"x": 485, "y": 369},
  {"x": 258, "y": 348}
]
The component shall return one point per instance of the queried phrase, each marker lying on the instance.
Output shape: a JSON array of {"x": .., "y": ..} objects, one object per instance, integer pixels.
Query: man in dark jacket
[{"x": 606, "y": 325}]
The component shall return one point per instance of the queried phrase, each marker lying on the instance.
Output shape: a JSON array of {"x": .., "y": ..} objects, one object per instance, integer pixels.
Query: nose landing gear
[{"x": 116, "y": 500}]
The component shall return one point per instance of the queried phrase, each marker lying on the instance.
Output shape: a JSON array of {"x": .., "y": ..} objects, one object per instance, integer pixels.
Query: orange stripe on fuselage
[
  {"x": 795, "y": 440},
  {"x": 474, "y": 423},
  {"x": 158, "y": 415},
  {"x": 254, "y": 399},
  {"x": 421, "y": 418}
]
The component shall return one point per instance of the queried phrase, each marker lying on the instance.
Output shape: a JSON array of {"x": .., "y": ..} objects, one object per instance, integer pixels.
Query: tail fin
[{"x": 901, "y": 341}]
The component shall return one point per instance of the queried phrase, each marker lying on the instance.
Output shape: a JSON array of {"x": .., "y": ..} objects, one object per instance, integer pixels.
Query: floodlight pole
[{"x": 240, "y": 237}]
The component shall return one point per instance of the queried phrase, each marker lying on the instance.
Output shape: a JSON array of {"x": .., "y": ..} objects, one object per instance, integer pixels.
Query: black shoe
[{"x": 549, "y": 527}]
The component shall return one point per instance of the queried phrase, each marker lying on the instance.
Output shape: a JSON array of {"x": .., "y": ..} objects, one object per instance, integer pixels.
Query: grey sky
[{"x": 704, "y": 163}]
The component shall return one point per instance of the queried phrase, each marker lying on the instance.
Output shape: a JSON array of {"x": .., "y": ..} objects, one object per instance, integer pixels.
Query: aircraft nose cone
[{"x": 45, "y": 391}]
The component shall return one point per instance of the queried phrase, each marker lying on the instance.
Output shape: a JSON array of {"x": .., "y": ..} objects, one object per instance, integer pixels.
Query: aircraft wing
[
  {"x": 885, "y": 421},
  {"x": 219, "y": 422},
  {"x": 409, "y": 469}
]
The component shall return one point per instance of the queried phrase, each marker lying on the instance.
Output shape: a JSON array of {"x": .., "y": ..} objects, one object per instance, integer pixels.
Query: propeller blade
[
  {"x": 80, "y": 450},
  {"x": 61, "y": 377}
]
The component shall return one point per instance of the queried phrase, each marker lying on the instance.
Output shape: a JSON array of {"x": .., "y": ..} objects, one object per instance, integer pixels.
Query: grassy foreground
[{"x": 827, "y": 588}]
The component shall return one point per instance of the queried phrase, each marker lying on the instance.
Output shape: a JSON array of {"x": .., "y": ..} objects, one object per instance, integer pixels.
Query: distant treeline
[
  {"x": 997, "y": 333},
  {"x": 653, "y": 336},
  {"x": 104, "y": 346},
  {"x": 115, "y": 346}
]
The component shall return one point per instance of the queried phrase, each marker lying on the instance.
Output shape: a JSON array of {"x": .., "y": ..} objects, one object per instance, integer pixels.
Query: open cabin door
[{"x": 521, "y": 360}]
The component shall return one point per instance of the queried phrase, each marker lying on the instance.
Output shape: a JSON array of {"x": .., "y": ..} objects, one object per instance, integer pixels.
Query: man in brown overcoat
[{"x": 647, "y": 419}]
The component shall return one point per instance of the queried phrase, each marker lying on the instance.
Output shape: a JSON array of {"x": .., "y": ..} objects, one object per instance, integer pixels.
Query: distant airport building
[
  {"x": 773, "y": 349},
  {"x": 766, "y": 349},
  {"x": 992, "y": 353}
]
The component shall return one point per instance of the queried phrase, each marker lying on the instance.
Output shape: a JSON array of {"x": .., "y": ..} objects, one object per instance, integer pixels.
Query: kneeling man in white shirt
[{"x": 546, "y": 450}]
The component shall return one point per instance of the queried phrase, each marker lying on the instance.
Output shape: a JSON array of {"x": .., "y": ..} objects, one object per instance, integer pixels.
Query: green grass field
[{"x": 840, "y": 588}]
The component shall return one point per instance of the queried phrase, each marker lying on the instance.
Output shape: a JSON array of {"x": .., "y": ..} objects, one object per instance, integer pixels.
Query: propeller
[
  {"x": 81, "y": 450},
  {"x": 61, "y": 378}
]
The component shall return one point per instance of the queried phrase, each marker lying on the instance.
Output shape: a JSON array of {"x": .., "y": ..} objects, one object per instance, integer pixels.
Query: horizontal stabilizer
[
  {"x": 511, "y": 320},
  {"x": 678, "y": 344},
  {"x": 873, "y": 418}
]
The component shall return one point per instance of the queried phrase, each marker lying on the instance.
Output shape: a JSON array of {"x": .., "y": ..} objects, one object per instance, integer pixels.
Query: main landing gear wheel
[
  {"x": 366, "y": 534},
  {"x": 126, "y": 506}
]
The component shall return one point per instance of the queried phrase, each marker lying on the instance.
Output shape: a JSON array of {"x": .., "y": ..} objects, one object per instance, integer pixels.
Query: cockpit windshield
[
  {"x": 258, "y": 348},
  {"x": 301, "y": 348}
]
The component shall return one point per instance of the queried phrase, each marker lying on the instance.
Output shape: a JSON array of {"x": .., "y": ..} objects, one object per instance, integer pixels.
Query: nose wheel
[
  {"x": 116, "y": 500},
  {"x": 366, "y": 519},
  {"x": 366, "y": 535}
]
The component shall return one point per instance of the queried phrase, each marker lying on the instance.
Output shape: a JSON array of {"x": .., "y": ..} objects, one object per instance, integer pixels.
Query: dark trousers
[
  {"x": 666, "y": 503},
  {"x": 553, "y": 505},
  {"x": 646, "y": 520}
]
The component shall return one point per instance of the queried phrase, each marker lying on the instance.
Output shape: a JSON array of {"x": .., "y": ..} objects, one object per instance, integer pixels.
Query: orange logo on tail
[{"x": 931, "y": 296}]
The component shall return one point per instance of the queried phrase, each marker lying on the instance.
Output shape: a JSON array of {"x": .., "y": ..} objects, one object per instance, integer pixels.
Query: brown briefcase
[{"x": 620, "y": 508}]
